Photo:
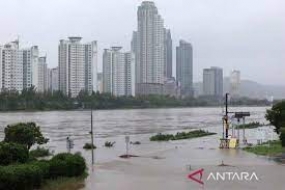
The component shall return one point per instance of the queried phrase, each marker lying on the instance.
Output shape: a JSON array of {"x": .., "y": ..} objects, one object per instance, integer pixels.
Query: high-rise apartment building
[
  {"x": 30, "y": 67},
  {"x": 100, "y": 83},
  {"x": 18, "y": 67},
  {"x": 118, "y": 72},
  {"x": 150, "y": 50},
  {"x": 213, "y": 82},
  {"x": 77, "y": 66},
  {"x": 54, "y": 79},
  {"x": 184, "y": 68},
  {"x": 235, "y": 83},
  {"x": 43, "y": 75},
  {"x": 11, "y": 64},
  {"x": 130, "y": 69},
  {"x": 134, "y": 49},
  {"x": 167, "y": 54}
]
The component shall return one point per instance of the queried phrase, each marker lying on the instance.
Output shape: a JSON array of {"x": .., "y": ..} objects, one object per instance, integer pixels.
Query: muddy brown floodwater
[{"x": 161, "y": 165}]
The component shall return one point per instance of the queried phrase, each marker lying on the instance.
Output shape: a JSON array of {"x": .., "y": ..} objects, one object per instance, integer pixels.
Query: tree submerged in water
[
  {"x": 26, "y": 134},
  {"x": 276, "y": 117}
]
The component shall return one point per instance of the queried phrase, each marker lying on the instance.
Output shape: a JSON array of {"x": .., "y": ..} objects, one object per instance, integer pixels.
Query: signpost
[{"x": 127, "y": 140}]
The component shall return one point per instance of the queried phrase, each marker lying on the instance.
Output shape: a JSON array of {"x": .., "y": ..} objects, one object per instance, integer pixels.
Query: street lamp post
[{"x": 91, "y": 133}]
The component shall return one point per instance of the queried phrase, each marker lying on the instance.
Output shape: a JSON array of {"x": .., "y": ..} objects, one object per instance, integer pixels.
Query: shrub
[
  {"x": 67, "y": 165},
  {"x": 181, "y": 135},
  {"x": 135, "y": 143},
  {"x": 39, "y": 152},
  {"x": 31, "y": 175},
  {"x": 12, "y": 153},
  {"x": 109, "y": 144},
  {"x": 21, "y": 176},
  {"x": 44, "y": 165},
  {"x": 89, "y": 146}
]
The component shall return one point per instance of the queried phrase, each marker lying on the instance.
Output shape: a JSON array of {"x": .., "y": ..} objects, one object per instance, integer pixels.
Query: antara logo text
[{"x": 223, "y": 176}]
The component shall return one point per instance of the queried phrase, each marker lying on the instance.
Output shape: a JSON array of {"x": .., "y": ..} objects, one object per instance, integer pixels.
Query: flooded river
[{"x": 161, "y": 165}]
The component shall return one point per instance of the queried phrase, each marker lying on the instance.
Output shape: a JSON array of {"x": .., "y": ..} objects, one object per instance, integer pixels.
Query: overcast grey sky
[{"x": 248, "y": 35}]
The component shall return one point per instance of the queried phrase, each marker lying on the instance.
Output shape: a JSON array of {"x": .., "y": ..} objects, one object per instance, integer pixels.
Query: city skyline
[{"x": 251, "y": 41}]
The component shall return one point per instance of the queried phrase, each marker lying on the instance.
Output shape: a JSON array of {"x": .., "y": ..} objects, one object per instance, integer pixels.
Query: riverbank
[
  {"x": 269, "y": 148},
  {"x": 251, "y": 125},
  {"x": 74, "y": 183}
]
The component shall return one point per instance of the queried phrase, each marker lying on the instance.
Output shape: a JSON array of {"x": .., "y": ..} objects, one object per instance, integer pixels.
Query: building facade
[
  {"x": 150, "y": 49},
  {"x": 184, "y": 68},
  {"x": 54, "y": 79},
  {"x": 213, "y": 82},
  {"x": 43, "y": 75},
  {"x": 235, "y": 83},
  {"x": 118, "y": 72},
  {"x": 11, "y": 67},
  {"x": 171, "y": 88},
  {"x": 167, "y": 54},
  {"x": 130, "y": 69},
  {"x": 77, "y": 66},
  {"x": 30, "y": 67}
]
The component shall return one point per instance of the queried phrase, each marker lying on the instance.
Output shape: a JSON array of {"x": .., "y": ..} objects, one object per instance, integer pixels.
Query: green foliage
[
  {"x": 250, "y": 125},
  {"x": 89, "y": 146},
  {"x": 13, "y": 153},
  {"x": 67, "y": 165},
  {"x": 65, "y": 183},
  {"x": 39, "y": 152},
  {"x": 26, "y": 134},
  {"x": 269, "y": 148},
  {"x": 20, "y": 177},
  {"x": 32, "y": 175},
  {"x": 29, "y": 99},
  {"x": 44, "y": 165},
  {"x": 282, "y": 136},
  {"x": 276, "y": 117},
  {"x": 109, "y": 144},
  {"x": 180, "y": 135}
]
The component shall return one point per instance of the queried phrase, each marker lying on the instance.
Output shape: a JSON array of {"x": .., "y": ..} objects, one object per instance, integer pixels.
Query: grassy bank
[
  {"x": 251, "y": 125},
  {"x": 270, "y": 148},
  {"x": 64, "y": 183},
  {"x": 181, "y": 135}
]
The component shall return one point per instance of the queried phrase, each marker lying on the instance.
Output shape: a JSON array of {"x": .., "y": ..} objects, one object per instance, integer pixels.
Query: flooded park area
[{"x": 160, "y": 165}]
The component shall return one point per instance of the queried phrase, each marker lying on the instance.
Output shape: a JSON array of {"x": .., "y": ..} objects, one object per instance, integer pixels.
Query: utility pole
[
  {"x": 91, "y": 133},
  {"x": 226, "y": 118}
]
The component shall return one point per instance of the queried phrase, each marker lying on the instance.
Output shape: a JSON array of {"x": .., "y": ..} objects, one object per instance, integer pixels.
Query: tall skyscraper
[
  {"x": 130, "y": 69},
  {"x": 91, "y": 54},
  {"x": 150, "y": 50},
  {"x": 184, "y": 67},
  {"x": 134, "y": 50},
  {"x": 30, "y": 67},
  {"x": 213, "y": 82},
  {"x": 100, "y": 82},
  {"x": 167, "y": 54},
  {"x": 11, "y": 63},
  {"x": 54, "y": 79},
  {"x": 118, "y": 72},
  {"x": 77, "y": 66},
  {"x": 43, "y": 75},
  {"x": 235, "y": 83}
]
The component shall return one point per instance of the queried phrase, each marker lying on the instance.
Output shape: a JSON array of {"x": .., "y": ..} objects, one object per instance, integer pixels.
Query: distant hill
[{"x": 249, "y": 89}]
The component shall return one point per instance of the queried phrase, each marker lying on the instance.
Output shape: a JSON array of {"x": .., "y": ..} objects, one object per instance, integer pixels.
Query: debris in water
[
  {"x": 222, "y": 164},
  {"x": 128, "y": 156}
]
